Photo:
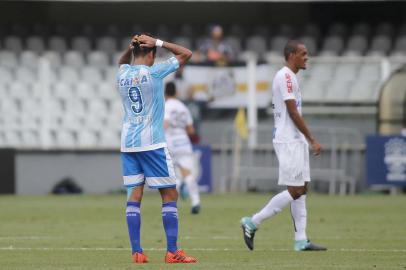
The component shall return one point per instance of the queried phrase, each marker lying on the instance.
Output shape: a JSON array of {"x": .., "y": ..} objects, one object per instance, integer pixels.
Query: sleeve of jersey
[
  {"x": 122, "y": 69},
  {"x": 189, "y": 119},
  {"x": 162, "y": 70},
  {"x": 167, "y": 113},
  {"x": 286, "y": 86}
]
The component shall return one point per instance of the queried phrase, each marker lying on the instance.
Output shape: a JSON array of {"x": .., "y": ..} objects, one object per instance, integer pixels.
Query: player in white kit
[
  {"x": 290, "y": 139},
  {"x": 178, "y": 124}
]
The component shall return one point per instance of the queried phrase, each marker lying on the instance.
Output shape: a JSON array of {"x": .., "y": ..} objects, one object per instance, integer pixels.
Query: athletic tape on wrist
[{"x": 159, "y": 43}]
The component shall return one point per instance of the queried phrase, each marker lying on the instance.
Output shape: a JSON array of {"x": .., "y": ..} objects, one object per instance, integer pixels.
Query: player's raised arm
[
  {"x": 181, "y": 53},
  {"x": 301, "y": 125},
  {"x": 125, "y": 58}
]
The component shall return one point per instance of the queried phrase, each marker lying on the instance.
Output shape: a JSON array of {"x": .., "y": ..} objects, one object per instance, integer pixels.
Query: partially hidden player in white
[
  {"x": 178, "y": 127},
  {"x": 144, "y": 154},
  {"x": 291, "y": 139}
]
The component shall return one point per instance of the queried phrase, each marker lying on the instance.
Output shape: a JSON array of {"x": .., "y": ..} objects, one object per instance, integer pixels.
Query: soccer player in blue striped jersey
[{"x": 144, "y": 155}]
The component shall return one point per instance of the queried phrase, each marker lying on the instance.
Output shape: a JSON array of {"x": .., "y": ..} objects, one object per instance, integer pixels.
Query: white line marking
[
  {"x": 11, "y": 248},
  {"x": 27, "y": 237}
]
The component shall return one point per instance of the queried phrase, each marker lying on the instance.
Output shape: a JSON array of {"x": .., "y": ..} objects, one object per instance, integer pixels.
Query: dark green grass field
[{"x": 89, "y": 232}]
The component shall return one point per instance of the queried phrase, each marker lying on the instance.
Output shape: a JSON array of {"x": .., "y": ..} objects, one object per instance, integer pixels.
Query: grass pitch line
[
  {"x": 11, "y": 248},
  {"x": 27, "y": 237}
]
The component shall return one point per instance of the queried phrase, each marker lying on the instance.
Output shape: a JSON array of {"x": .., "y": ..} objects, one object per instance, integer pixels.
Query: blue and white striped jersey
[{"x": 142, "y": 94}]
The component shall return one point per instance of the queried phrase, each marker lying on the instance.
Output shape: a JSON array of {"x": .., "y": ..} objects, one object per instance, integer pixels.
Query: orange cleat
[
  {"x": 140, "y": 258},
  {"x": 178, "y": 257}
]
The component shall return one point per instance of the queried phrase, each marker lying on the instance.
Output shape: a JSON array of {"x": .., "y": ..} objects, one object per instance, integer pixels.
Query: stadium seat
[
  {"x": 183, "y": 41},
  {"x": 13, "y": 137},
  {"x": 19, "y": 29},
  {"x": 278, "y": 43},
  {"x": 311, "y": 30},
  {"x": 54, "y": 58},
  {"x": 41, "y": 30},
  {"x": 163, "y": 32},
  {"x": 286, "y": 30},
  {"x": 261, "y": 30},
  {"x": 58, "y": 44},
  {"x": 370, "y": 72},
  {"x": 19, "y": 89},
  {"x": 74, "y": 59},
  {"x": 313, "y": 91},
  {"x": 35, "y": 44},
  {"x": 347, "y": 71},
  {"x": 333, "y": 45},
  {"x": 29, "y": 59},
  {"x": 110, "y": 73},
  {"x": 65, "y": 139},
  {"x": 85, "y": 90},
  {"x": 26, "y": 75},
  {"x": 98, "y": 59},
  {"x": 106, "y": 44},
  {"x": 385, "y": 29},
  {"x": 68, "y": 75},
  {"x": 107, "y": 91},
  {"x": 322, "y": 71},
  {"x": 37, "y": 90},
  {"x": 97, "y": 106},
  {"x": 187, "y": 30},
  {"x": 357, "y": 45},
  {"x": 256, "y": 44},
  {"x": 30, "y": 139},
  {"x": 5, "y": 75},
  {"x": 8, "y": 59},
  {"x": 310, "y": 43},
  {"x": 63, "y": 90},
  {"x": 380, "y": 46},
  {"x": 337, "y": 29},
  {"x": 13, "y": 44},
  {"x": 236, "y": 30},
  {"x": 110, "y": 139},
  {"x": 91, "y": 74},
  {"x": 337, "y": 91},
  {"x": 87, "y": 139},
  {"x": 361, "y": 29},
  {"x": 400, "y": 45},
  {"x": 81, "y": 44},
  {"x": 364, "y": 91},
  {"x": 235, "y": 43}
]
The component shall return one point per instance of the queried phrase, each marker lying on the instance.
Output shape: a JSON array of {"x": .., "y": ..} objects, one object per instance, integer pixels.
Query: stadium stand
[{"x": 83, "y": 63}]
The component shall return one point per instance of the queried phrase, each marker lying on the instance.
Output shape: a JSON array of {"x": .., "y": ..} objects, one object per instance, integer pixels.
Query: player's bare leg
[
  {"x": 170, "y": 222},
  {"x": 133, "y": 213}
]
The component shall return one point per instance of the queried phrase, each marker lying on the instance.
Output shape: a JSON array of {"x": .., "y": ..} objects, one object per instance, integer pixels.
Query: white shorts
[
  {"x": 186, "y": 161},
  {"x": 294, "y": 168}
]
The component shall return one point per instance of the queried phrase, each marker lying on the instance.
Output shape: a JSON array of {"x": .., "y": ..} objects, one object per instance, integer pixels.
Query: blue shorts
[{"x": 154, "y": 166}]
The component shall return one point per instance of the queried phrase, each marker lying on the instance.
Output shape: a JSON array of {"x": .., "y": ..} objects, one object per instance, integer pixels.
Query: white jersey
[
  {"x": 284, "y": 87},
  {"x": 179, "y": 117}
]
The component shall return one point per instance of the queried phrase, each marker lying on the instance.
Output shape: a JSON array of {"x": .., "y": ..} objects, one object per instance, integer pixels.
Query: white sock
[
  {"x": 193, "y": 189},
  {"x": 275, "y": 205},
  {"x": 299, "y": 216}
]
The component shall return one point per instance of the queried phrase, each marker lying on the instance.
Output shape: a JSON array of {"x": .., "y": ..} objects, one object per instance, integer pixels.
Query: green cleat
[
  {"x": 248, "y": 230},
  {"x": 306, "y": 245}
]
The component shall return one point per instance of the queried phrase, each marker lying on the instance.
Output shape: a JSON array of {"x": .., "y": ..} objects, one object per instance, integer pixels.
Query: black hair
[
  {"x": 291, "y": 47},
  {"x": 170, "y": 89},
  {"x": 142, "y": 51}
]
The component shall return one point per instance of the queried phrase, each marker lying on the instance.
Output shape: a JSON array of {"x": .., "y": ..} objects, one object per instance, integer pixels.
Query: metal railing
[{"x": 339, "y": 164}]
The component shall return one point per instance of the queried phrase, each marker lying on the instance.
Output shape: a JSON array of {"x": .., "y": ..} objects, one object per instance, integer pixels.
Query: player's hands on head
[
  {"x": 146, "y": 41},
  {"x": 134, "y": 40},
  {"x": 316, "y": 147}
]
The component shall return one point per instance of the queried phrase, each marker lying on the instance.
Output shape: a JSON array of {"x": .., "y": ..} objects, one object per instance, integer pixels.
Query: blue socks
[
  {"x": 133, "y": 214},
  {"x": 170, "y": 221}
]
